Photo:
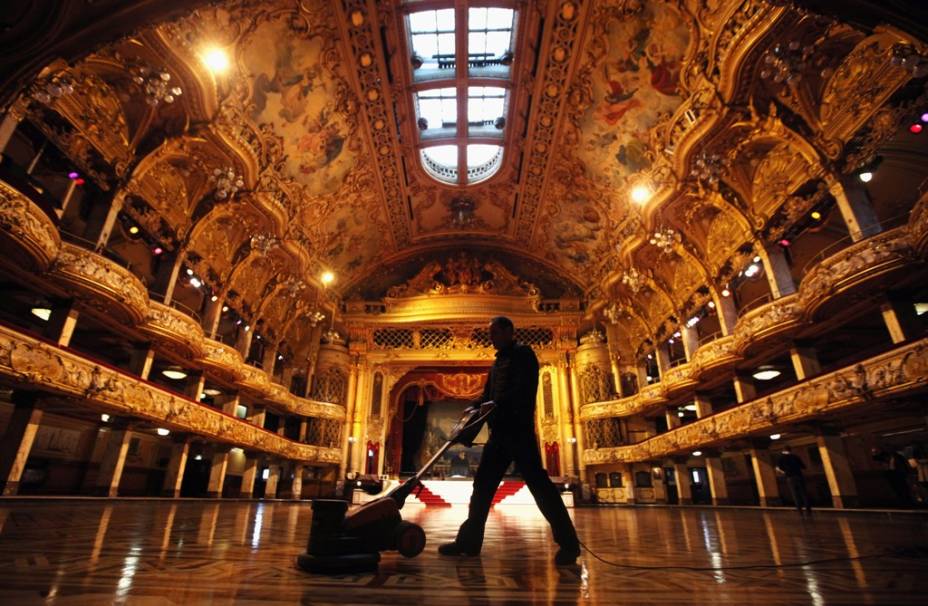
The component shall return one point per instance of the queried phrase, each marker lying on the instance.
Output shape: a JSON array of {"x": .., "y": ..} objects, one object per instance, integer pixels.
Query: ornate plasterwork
[
  {"x": 28, "y": 228},
  {"x": 32, "y": 362},
  {"x": 180, "y": 332},
  {"x": 463, "y": 273},
  {"x": 101, "y": 284},
  {"x": 897, "y": 372}
]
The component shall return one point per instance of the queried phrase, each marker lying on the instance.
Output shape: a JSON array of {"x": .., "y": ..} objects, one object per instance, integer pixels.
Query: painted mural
[
  {"x": 630, "y": 82},
  {"x": 295, "y": 91}
]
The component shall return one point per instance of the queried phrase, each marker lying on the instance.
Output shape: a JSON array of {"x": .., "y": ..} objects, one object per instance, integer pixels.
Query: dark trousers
[
  {"x": 797, "y": 488},
  {"x": 501, "y": 449}
]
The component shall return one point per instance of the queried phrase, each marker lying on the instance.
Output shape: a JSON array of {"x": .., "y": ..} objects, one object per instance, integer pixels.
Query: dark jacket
[
  {"x": 791, "y": 465},
  {"x": 512, "y": 384}
]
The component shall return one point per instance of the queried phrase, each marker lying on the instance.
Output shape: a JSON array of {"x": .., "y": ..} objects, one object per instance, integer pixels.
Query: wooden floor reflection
[{"x": 80, "y": 552}]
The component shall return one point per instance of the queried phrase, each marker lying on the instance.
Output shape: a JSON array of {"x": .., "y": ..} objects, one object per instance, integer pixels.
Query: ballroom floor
[{"x": 191, "y": 552}]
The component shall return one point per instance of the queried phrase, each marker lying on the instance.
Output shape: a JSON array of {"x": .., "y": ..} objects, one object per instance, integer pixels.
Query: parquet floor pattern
[{"x": 82, "y": 552}]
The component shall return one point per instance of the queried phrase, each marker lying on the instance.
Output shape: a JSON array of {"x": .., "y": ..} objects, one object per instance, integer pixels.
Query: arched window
[{"x": 461, "y": 58}]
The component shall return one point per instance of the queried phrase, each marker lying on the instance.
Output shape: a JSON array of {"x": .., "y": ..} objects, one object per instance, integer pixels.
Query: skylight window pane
[
  {"x": 498, "y": 43},
  {"x": 432, "y": 34},
  {"x": 478, "y": 155},
  {"x": 439, "y": 106},
  {"x": 489, "y": 37},
  {"x": 485, "y": 104},
  {"x": 443, "y": 155},
  {"x": 499, "y": 18},
  {"x": 477, "y": 18}
]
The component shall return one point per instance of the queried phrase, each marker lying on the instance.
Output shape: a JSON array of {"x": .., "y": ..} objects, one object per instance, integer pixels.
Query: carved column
[
  {"x": 296, "y": 489},
  {"x": 662, "y": 353},
  {"x": 592, "y": 358},
  {"x": 249, "y": 474},
  {"x": 229, "y": 403},
  {"x": 273, "y": 477},
  {"x": 171, "y": 276},
  {"x": 717, "y": 480},
  {"x": 217, "y": 472},
  {"x": 672, "y": 418},
  {"x": 681, "y": 475},
  {"x": 900, "y": 318},
  {"x": 174, "y": 475},
  {"x": 745, "y": 390},
  {"x": 564, "y": 404},
  {"x": 18, "y": 439},
  {"x": 14, "y": 115},
  {"x": 765, "y": 476},
  {"x": 269, "y": 359},
  {"x": 114, "y": 459},
  {"x": 703, "y": 405},
  {"x": 728, "y": 314},
  {"x": 243, "y": 341},
  {"x": 213, "y": 316},
  {"x": 312, "y": 358},
  {"x": 194, "y": 387},
  {"x": 61, "y": 323},
  {"x": 628, "y": 481},
  {"x": 141, "y": 361},
  {"x": 838, "y": 470},
  {"x": 258, "y": 415},
  {"x": 690, "y": 338},
  {"x": 776, "y": 268},
  {"x": 578, "y": 467},
  {"x": 100, "y": 225},
  {"x": 805, "y": 361},
  {"x": 856, "y": 210}
]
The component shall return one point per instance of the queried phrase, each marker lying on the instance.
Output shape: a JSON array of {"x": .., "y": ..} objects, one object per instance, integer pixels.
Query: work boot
[
  {"x": 567, "y": 556},
  {"x": 455, "y": 549}
]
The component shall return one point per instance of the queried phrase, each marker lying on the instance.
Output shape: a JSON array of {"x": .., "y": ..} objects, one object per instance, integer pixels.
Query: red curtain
[
  {"x": 373, "y": 456},
  {"x": 553, "y": 458}
]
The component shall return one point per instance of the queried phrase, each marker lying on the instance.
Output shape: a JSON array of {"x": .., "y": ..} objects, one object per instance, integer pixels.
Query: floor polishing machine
[{"x": 342, "y": 542}]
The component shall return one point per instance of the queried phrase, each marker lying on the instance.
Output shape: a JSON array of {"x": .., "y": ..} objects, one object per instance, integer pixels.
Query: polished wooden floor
[{"x": 77, "y": 552}]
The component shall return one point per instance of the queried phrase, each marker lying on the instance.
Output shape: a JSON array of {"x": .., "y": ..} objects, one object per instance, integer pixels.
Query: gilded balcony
[
  {"x": 774, "y": 319},
  {"x": 861, "y": 264},
  {"x": 101, "y": 284},
  {"x": 918, "y": 226},
  {"x": 897, "y": 372},
  {"x": 39, "y": 364},
  {"x": 183, "y": 333},
  {"x": 222, "y": 359},
  {"x": 29, "y": 238},
  {"x": 254, "y": 380},
  {"x": 715, "y": 356}
]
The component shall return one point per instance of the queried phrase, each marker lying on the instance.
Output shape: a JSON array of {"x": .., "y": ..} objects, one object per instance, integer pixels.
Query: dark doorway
[{"x": 700, "y": 486}]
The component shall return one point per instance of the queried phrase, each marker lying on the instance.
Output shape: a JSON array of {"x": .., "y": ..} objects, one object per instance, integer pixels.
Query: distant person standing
[
  {"x": 792, "y": 466},
  {"x": 897, "y": 470}
]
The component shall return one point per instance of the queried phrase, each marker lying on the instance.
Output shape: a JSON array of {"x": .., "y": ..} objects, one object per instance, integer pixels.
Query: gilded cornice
[
  {"x": 29, "y": 237},
  {"x": 900, "y": 371},
  {"x": 100, "y": 284},
  {"x": 29, "y": 361},
  {"x": 837, "y": 275},
  {"x": 175, "y": 329}
]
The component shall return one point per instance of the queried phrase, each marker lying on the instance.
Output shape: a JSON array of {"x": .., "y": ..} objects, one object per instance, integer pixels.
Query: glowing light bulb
[
  {"x": 216, "y": 60},
  {"x": 865, "y": 176},
  {"x": 327, "y": 277},
  {"x": 641, "y": 194}
]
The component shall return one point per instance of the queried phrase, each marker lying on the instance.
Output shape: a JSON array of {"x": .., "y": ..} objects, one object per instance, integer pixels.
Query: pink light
[
  {"x": 157, "y": 250},
  {"x": 73, "y": 175},
  {"x": 915, "y": 128},
  {"x": 925, "y": 117},
  {"x": 784, "y": 242}
]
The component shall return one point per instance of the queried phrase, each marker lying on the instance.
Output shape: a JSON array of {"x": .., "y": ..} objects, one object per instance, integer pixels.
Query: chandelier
[
  {"x": 228, "y": 183},
  {"x": 263, "y": 243},
  {"x": 906, "y": 57},
  {"x": 664, "y": 238},
  {"x": 55, "y": 87},
  {"x": 156, "y": 85},
  {"x": 294, "y": 287},
  {"x": 786, "y": 62},
  {"x": 632, "y": 278},
  {"x": 316, "y": 317},
  {"x": 707, "y": 168}
]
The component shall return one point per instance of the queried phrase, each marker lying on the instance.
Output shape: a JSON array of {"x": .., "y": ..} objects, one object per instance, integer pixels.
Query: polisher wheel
[{"x": 410, "y": 539}]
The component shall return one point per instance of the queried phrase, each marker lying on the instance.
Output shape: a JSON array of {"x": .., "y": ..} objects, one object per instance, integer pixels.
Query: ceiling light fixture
[
  {"x": 44, "y": 313},
  {"x": 774, "y": 436},
  {"x": 726, "y": 292},
  {"x": 195, "y": 282},
  {"x": 916, "y": 128},
  {"x": 697, "y": 453},
  {"x": 865, "y": 176},
  {"x": 134, "y": 230},
  {"x": 157, "y": 250},
  {"x": 641, "y": 194},
  {"x": 766, "y": 373},
  {"x": 174, "y": 373},
  {"x": 163, "y": 432},
  {"x": 105, "y": 418},
  {"x": 215, "y": 59},
  {"x": 327, "y": 277},
  {"x": 225, "y": 308},
  {"x": 815, "y": 215},
  {"x": 214, "y": 298}
]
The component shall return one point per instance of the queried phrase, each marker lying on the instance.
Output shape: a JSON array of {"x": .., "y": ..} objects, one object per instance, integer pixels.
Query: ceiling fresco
[{"x": 313, "y": 118}]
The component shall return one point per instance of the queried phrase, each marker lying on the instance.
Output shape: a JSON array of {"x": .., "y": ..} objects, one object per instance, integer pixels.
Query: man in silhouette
[
  {"x": 511, "y": 386},
  {"x": 791, "y": 466}
]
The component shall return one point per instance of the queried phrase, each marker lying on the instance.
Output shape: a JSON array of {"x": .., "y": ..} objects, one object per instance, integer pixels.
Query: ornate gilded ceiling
[{"x": 315, "y": 118}]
